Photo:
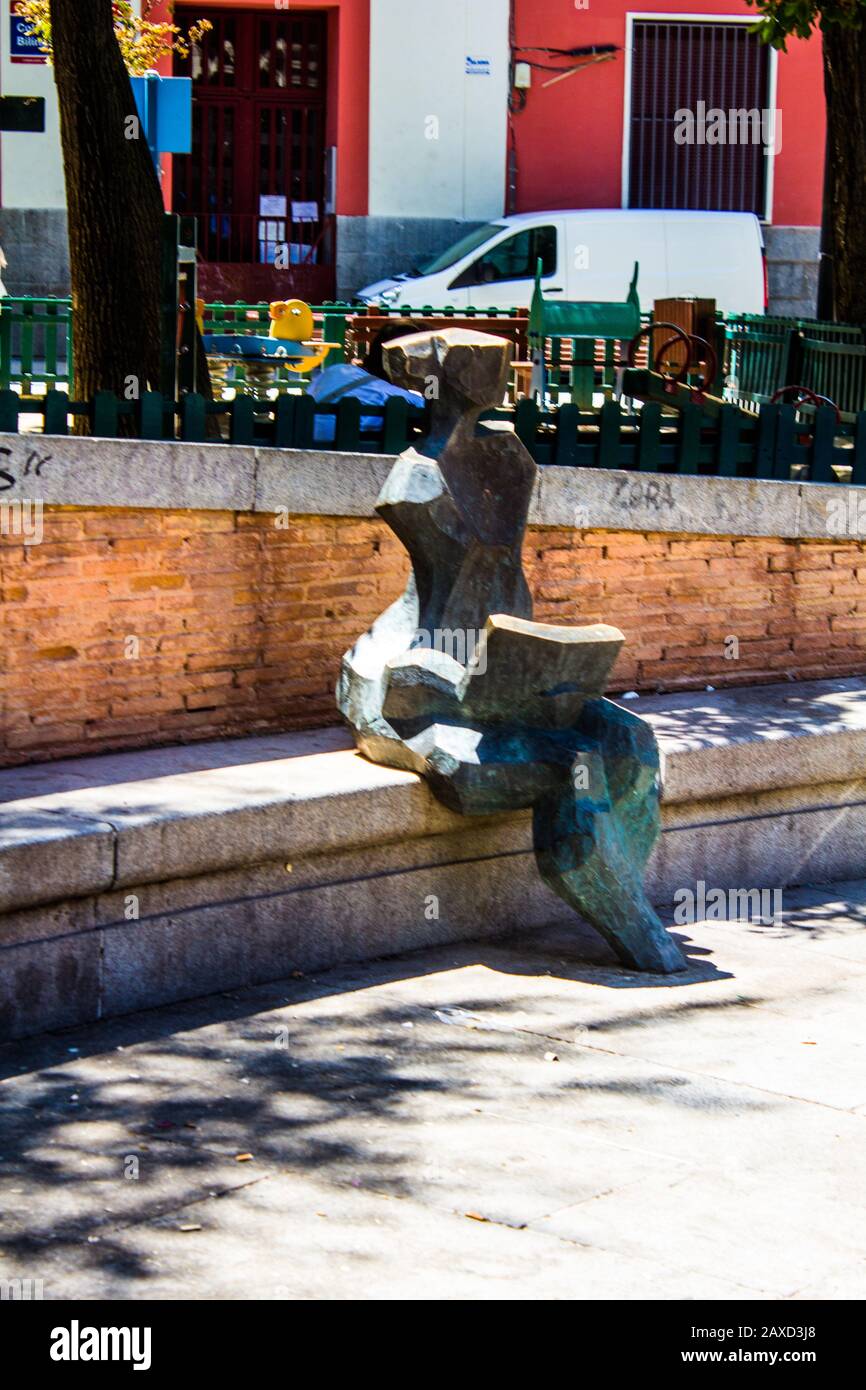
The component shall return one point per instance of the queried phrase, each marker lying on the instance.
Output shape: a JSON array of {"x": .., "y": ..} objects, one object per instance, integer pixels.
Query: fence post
[
  {"x": 728, "y": 441},
  {"x": 582, "y": 371},
  {"x": 858, "y": 470},
  {"x": 105, "y": 415},
  {"x": 242, "y": 421},
  {"x": 5, "y": 347},
  {"x": 334, "y": 331},
  {"x": 9, "y": 402},
  {"x": 57, "y": 405},
  {"x": 765, "y": 447},
  {"x": 526, "y": 418},
  {"x": 347, "y": 435},
  {"x": 610, "y": 423},
  {"x": 689, "y": 438},
  {"x": 148, "y": 415},
  {"x": 565, "y": 445},
  {"x": 786, "y": 431},
  {"x": 50, "y": 330},
  {"x": 395, "y": 430},
  {"x": 821, "y": 453},
  {"x": 649, "y": 438},
  {"x": 284, "y": 421},
  {"x": 192, "y": 418},
  {"x": 305, "y": 416}
]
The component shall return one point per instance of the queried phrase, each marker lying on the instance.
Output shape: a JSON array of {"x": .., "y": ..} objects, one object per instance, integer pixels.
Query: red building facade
[
  {"x": 575, "y": 141},
  {"x": 288, "y": 115}
]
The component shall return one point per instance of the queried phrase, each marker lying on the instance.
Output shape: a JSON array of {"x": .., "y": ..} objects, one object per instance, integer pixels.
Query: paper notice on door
[{"x": 272, "y": 205}]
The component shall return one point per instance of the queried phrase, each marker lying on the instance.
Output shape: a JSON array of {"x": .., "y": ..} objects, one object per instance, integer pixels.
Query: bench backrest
[{"x": 558, "y": 318}]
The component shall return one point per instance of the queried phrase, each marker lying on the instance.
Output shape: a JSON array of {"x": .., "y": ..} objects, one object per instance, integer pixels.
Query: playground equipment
[
  {"x": 805, "y": 396},
  {"x": 665, "y": 381},
  {"x": 289, "y": 346},
  {"x": 584, "y": 323}
]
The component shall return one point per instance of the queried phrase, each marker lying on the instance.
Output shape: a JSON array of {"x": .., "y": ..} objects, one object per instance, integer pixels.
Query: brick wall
[{"x": 128, "y": 628}]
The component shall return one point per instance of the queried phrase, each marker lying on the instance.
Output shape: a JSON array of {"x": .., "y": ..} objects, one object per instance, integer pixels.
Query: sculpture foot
[{"x": 581, "y": 856}]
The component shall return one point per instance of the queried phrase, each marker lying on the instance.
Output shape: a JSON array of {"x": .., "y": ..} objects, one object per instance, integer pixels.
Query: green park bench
[{"x": 583, "y": 323}]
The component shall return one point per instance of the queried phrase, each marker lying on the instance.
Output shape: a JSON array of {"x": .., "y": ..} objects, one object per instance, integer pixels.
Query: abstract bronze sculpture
[{"x": 455, "y": 681}]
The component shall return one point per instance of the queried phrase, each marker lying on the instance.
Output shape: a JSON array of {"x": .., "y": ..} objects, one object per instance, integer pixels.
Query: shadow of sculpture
[{"x": 456, "y": 682}]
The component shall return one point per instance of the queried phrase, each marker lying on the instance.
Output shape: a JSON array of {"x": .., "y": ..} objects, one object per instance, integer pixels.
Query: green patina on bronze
[{"x": 456, "y": 682}]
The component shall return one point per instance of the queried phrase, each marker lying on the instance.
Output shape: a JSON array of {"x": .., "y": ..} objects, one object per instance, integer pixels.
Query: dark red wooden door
[{"x": 255, "y": 177}]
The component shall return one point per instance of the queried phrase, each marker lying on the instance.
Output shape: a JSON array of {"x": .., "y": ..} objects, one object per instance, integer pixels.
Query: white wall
[
  {"x": 418, "y": 52},
  {"x": 31, "y": 168}
]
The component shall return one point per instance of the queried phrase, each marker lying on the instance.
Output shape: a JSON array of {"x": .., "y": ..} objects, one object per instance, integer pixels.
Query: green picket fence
[
  {"x": 288, "y": 422},
  {"x": 778, "y": 443},
  {"x": 836, "y": 370},
  {"x": 764, "y": 354},
  {"x": 36, "y": 335},
  {"x": 35, "y": 341}
]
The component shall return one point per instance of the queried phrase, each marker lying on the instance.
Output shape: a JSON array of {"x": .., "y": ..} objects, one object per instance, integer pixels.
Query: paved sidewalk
[{"x": 507, "y": 1120}]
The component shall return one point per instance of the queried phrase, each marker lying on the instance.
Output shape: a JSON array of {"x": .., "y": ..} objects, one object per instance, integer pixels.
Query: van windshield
[{"x": 464, "y": 247}]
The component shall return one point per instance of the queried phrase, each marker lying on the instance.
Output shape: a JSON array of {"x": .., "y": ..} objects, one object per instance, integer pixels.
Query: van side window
[{"x": 513, "y": 259}]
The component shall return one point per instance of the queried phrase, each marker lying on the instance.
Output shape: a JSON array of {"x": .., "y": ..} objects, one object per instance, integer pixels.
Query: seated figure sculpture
[{"x": 456, "y": 682}]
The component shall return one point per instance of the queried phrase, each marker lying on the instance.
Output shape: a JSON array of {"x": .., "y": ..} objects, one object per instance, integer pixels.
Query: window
[
  {"x": 710, "y": 70},
  {"x": 460, "y": 249},
  {"x": 513, "y": 259}
]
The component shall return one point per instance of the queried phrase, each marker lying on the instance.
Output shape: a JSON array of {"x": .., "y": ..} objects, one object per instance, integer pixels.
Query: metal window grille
[{"x": 676, "y": 66}]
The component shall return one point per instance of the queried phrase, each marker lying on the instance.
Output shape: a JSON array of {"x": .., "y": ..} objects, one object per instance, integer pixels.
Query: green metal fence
[
  {"x": 836, "y": 370},
  {"x": 763, "y": 354},
  {"x": 778, "y": 443},
  {"x": 36, "y": 337},
  {"x": 35, "y": 341}
]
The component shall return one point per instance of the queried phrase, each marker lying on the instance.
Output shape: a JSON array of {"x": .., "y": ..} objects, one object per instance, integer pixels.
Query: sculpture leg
[
  {"x": 584, "y": 854},
  {"x": 631, "y": 767}
]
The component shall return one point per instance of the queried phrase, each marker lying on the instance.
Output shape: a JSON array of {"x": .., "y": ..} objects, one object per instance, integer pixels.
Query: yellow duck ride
[
  {"x": 289, "y": 346},
  {"x": 292, "y": 322}
]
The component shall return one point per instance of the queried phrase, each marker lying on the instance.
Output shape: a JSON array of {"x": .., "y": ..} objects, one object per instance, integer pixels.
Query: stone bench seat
[{"x": 135, "y": 879}]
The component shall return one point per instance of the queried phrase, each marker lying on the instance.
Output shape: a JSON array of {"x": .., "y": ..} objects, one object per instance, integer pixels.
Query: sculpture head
[{"x": 470, "y": 370}]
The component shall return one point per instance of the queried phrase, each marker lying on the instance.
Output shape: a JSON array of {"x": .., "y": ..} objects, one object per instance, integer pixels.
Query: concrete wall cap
[{"x": 75, "y": 472}]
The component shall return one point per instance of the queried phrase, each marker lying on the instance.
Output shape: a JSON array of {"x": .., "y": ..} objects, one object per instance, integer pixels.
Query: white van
[{"x": 590, "y": 255}]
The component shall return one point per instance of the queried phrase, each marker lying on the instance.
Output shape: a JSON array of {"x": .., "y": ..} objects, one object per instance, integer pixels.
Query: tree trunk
[
  {"x": 845, "y": 91},
  {"x": 114, "y": 204}
]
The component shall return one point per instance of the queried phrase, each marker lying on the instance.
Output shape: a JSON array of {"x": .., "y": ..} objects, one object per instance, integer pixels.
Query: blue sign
[
  {"x": 165, "y": 111},
  {"x": 23, "y": 45}
]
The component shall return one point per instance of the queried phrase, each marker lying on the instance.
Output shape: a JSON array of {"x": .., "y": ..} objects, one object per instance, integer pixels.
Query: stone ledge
[
  {"x": 253, "y": 857},
  {"x": 224, "y": 477},
  {"x": 755, "y": 739},
  {"x": 81, "y": 826}
]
